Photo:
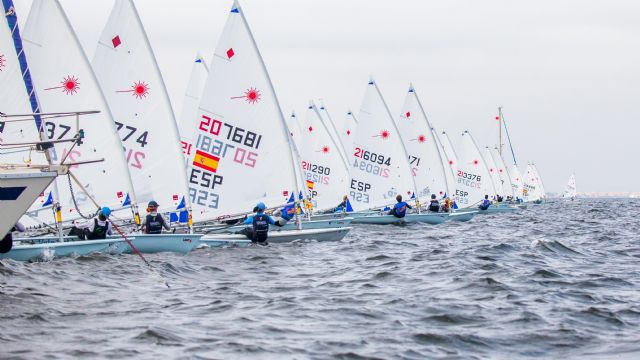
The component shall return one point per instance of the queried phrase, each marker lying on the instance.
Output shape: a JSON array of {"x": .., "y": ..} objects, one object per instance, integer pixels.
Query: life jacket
[
  {"x": 260, "y": 227},
  {"x": 434, "y": 205},
  {"x": 400, "y": 210},
  {"x": 99, "y": 231},
  {"x": 153, "y": 224},
  {"x": 288, "y": 213},
  {"x": 485, "y": 204}
]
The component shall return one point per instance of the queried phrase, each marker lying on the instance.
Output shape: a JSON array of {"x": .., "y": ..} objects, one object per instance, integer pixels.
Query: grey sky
[{"x": 565, "y": 71}]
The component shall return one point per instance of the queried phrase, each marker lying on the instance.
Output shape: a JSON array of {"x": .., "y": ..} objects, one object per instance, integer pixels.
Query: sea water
[{"x": 560, "y": 280}]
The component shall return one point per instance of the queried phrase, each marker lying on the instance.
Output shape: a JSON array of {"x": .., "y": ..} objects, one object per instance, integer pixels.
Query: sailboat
[
  {"x": 570, "y": 190},
  {"x": 493, "y": 172},
  {"x": 532, "y": 192},
  {"x": 103, "y": 178},
  {"x": 324, "y": 167},
  {"x": 380, "y": 167},
  {"x": 422, "y": 148},
  {"x": 474, "y": 177},
  {"x": 27, "y": 130},
  {"x": 503, "y": 174},
  {"x": 242, "y": 152},
  {"x": 134, "y": 89}
]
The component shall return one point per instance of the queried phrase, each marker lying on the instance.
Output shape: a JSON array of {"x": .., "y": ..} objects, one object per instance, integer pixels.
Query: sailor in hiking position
[
  {"x": 153, "y": 223},
  {"x": 259, "y": 230},
  {"x": 97, "y": 228},
  {"x": 434, "y": 204},
  {"x": 400, "y": 208},
  {"x": 485, "y": 203}
]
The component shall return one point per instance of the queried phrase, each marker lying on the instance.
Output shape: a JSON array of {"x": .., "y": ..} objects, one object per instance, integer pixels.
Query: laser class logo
[
  {"x": 69, "y": 85},
  {"x": 384, "y": 134},
  {"x": 252, "y": 96},
  {"x": 139, "y": 89}
]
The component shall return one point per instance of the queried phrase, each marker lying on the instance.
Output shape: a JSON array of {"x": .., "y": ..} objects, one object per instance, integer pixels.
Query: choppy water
[{"x": 559, "y": 280}]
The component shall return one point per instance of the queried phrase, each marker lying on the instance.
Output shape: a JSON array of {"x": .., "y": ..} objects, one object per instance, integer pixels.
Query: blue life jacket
[
  {"x": 260, "y": 227},
  {"x": 400, "y": 209},
  {"x": 485, "y": 204}
]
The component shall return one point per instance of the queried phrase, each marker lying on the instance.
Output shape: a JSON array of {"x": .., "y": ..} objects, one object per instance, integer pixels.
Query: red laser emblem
[
  {"x": 70, "y": 85},
  {"x": 252, "y": 96},
  {"x": 139, "y": 89}
]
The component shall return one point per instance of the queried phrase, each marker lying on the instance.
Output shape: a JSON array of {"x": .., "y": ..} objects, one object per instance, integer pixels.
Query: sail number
[
  {"x": 371, "y": 168},
  {"x": 52, "y": 130},
  {"x": 468, "y": 176},
  {"x": 236, "y": 134},
  {"x": 318, "y": 169},
  {"x": 372, "y": 157},
  {"x": 359, "y": 190}
]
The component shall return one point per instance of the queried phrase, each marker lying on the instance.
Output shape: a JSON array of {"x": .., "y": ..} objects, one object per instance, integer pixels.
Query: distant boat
[{"x": 570, "y": 190}]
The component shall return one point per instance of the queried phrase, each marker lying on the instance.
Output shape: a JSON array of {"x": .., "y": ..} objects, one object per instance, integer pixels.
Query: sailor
[
  {"x": 499, "y": 198},
  {"x": 258, "y": 232},
  {"x": 96, "y": 228},
  {"x": 7, "y": 242},
  {"x": 342, "y": 207},
  {"x": 434, "y": 204},
  {"x": 446, "y": 204},
  {"x": 399, "y": 210},
  {"x": 284, "y": 215},
  {"x": 485, "y": 203},
  {"x": 154, "y": 222}
]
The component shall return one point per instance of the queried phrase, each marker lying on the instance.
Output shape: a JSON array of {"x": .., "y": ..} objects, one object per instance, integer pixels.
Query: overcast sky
[{"x": 565, "y": 71}]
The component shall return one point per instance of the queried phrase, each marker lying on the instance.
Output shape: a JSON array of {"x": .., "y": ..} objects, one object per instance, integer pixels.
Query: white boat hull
[
  {"x": 18, "y": 190},
  {"x": 429, "y": 218},
  {"x": 283, "y": 236}
]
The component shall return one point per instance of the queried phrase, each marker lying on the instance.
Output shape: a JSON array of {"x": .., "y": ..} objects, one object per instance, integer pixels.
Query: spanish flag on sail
[
  {"x": 310, "y": 184},
  {"x": 206, "y": 161}
]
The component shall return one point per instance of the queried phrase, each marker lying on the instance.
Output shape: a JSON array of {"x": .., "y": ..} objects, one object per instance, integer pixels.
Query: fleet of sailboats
[{"x": 230, "y": 148}]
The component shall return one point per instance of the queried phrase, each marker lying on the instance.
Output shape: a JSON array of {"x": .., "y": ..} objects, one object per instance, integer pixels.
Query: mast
[
  {"x": 502, "y": 120},
  {"x": 499, "y": 118}
]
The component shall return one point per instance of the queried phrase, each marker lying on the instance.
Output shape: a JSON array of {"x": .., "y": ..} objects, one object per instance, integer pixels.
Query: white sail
[
  {"x": 65, "y": 82},
  {"x": 333, "y": 130},
  {"x": 543, "y": 192},
  {"x": 378, "y": 166},
  {"x": 15, "y": 94},
  {"x": 570, "y": 190},
  {"x": 516, "y": 182},
  {"x": 473, "y": 178},
  {"x": 126, "y": 69},
  {"x": 293, "y": 125},
  {"x": 191, "y": 101},
  {"x": 14, "y": 99},
  {"x": 531, "y": 189},
  {"x": 242, "y": 145},
  {"x": 446, "y": 165},
  {"x": 503, "y": 172},
  {"x": 422, "y": 148},
  {"x": 493, "y": 173},
  {"x": 451, "y": 160},
  {"x": 347, "y": 133},
  {"x": 325, "y": 171}
]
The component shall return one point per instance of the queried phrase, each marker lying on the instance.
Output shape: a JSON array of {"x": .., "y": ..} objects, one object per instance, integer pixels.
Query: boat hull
[
  {"x": 463, "y": 216},
  {"x": 291, "y": 225},
  {"x": 44, "y": 249},
  {"x": 428, "y": 218},
  {"x": 18, "y": 190},
  {"x": 498, "y": 209},
  {"x": 283, "y": 236},
  {"x": 177, "y": 243}
]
